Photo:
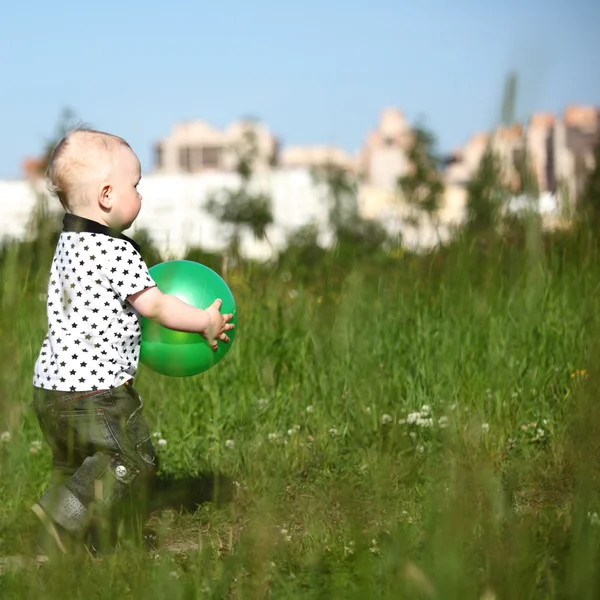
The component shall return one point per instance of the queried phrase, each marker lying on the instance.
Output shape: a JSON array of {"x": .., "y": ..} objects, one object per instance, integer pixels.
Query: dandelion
[
  {"x": 582, "y": 373},
  {"x": 386, "y": 419},
  {"x": 443, "y": 422},
  {"x": 230, "y": 444},
  {"x": 35, "y": 447},
  {"x": 162, "y": 442},
  {"x": 310, "y": 408},
  {"x": 485, "y": 427},
  {"x": 5, "y": 436}
]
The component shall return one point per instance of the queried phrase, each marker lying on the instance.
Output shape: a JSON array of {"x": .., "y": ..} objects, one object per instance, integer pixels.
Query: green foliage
[
  {"x": 422, "y": 187},
  {"x": 354, "y": 235},
  {"x": 486, "y": 195},
  {"x": 242, "y": 208}
]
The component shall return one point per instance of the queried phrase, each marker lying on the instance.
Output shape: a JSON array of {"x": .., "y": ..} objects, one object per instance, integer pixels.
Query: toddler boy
[{"x": 88, "y": 410}]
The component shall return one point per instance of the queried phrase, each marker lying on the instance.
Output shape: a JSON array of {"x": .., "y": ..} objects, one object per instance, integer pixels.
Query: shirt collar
[{"x": 81, "y": 224}]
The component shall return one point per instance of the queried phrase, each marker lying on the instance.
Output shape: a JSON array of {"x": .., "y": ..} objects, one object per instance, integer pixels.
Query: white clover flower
[
  {"x": 453, "y": 406},
  {"x": 425, "y": 410},
  {"x": 540, "y": 433},
  {"x": 413, "y": 417},
  {"x": 310, "y": 408},
  {"x": 292, "y": 294},
  {"x": 367, "y": 409},
  {"x": 35, "y": 447},
  {"x": 272, "y": 437},
  {"x": 485, "y": 427},
  {"x": 413, "y": 435},
  {"x": 593, "y": 517},
  {"x": 230, "y": 444},
  {"x": 157, "y": 435},
  {"x": 386, "y": 419},
  {"x": 401, "y": 421},
  {"x": 443, "y": 422},
  {"x": 421, "y": 449},
  {"x": 425, "y": 422},
  {"x": 333, "y": 431},
  {"x": 5, "y": 436},
  {"x": 162, "y": 442}
]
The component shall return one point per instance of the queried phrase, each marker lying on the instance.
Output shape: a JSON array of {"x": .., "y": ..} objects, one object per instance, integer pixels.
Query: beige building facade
[{"x": 197, "y": 147}]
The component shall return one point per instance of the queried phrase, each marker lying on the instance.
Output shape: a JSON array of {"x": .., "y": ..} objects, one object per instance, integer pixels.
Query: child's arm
[{"x": 172, "y": 313}]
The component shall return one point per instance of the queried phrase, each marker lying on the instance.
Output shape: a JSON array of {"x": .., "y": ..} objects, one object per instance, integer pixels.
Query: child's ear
[{"x": 105, "y": 196}]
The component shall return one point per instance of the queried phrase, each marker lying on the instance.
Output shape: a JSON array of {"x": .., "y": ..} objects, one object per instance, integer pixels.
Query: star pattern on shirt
[{"x": 94, "y": 334}]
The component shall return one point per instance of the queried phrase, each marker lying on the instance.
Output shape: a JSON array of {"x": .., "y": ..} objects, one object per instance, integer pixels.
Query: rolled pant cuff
[{"x": 65, "y": 508}]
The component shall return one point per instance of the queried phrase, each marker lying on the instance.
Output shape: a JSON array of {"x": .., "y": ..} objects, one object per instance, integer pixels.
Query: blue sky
[{"x": 316, "y": 71}]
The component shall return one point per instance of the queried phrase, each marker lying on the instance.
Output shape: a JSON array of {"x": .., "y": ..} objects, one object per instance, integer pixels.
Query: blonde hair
[{"x": 82, "y": 156}]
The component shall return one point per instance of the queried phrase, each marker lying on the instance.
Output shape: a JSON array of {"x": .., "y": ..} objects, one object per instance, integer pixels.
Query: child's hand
[{"x": 218, "y": 325}]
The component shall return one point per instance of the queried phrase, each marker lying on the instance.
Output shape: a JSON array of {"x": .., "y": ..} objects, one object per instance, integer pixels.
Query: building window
[
  {"x": 184, "y": 159},
  {"x": 158, "y": 156},
  {"x": 211, "y": 157}
]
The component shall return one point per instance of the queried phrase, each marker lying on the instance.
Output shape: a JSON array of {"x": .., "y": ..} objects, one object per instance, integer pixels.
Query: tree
[
  {"x": 241, "y": 208},
  {"x": 486, "y": 194},
  {"x": 422, "y": 187},
  {"x": 350, "y": 229}
]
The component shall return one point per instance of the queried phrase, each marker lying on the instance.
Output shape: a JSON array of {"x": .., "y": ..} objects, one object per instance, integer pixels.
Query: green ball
[{"x": 177, "y": 353}]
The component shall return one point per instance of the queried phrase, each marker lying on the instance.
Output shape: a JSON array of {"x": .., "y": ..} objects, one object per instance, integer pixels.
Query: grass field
[{"x": 397, "y": 427}]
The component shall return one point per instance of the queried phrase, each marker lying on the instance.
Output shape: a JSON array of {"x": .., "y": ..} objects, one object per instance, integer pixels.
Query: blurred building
[
  {"x": 464, "y": 161},
  {"x": 311, "y": 157},
  {"x": 560, "y": 151},
  {"x": 384, "y": 155},
  {"x": 197, "y": 147}
]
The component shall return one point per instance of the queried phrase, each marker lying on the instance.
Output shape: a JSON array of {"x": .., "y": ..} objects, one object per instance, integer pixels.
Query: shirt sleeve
[{"x": 127, "y": 272}]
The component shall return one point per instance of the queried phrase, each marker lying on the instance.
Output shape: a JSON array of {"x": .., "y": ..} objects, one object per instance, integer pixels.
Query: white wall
[{"x": 172, "y": 209}]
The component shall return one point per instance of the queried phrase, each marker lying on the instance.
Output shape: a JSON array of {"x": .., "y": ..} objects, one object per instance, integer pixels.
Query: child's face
[{"x": 125, "y": 201}]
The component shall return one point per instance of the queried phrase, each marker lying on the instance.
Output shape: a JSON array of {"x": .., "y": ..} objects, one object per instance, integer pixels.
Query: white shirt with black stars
[{"x": 94, "y": 334}]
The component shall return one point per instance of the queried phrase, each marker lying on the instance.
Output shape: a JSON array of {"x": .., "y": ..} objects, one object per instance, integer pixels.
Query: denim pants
[{"x": 102, "y": 454}]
